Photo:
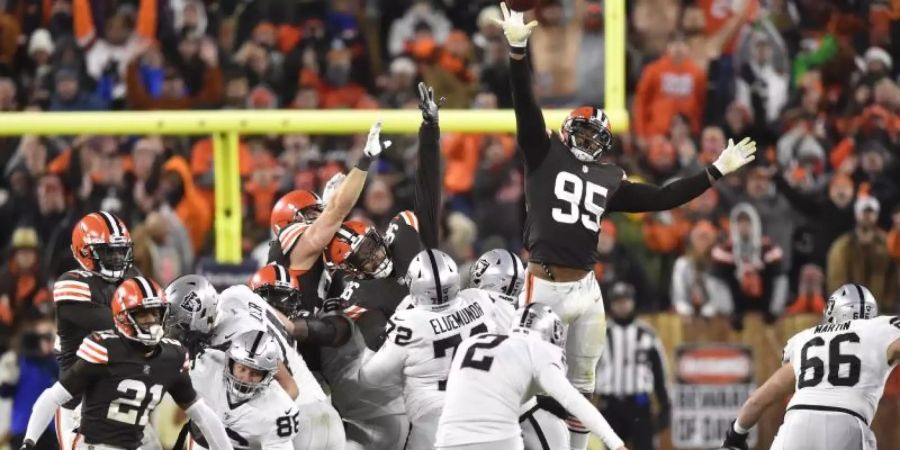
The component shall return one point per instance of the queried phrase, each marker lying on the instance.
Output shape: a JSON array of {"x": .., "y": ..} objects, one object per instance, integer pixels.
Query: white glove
[
  {"x": 374, "y": 146},
  {"x": 332, "y": 186},
  {"x": 514, "y": 27},
  {"x": 736, "y": 156}
]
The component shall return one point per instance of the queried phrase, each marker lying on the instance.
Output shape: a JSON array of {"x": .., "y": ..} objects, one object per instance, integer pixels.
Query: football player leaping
[
  {"x": 422, "y": 338},
  {"x": 121, "y": 376},
  {"x": 237, "y": 384},
  {"x": 567, "y": 190},
  {"x": 836, "y": 371},
  {"x": 492, "y": 374},
  {"x": 366, "y": 266}
]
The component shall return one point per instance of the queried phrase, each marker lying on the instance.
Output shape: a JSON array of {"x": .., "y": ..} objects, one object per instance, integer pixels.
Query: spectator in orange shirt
[
  {"x": 669, "y": 86},
  {"x": 179, "y": 191}
]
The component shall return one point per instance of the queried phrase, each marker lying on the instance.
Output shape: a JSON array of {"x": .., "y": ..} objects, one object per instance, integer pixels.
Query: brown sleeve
[
  {"x": 212, "y": 91},
  {"x": 137, "y": 96}
]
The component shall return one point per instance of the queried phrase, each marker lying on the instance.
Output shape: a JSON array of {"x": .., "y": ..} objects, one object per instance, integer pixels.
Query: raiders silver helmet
[
  {"x": 850, "y": 301},
  {"x": 537, "y": 319},
  {"x": 192, "y": 301},
  {"x": 432, "y": 278},
  {"x": 499, "y": 271},
  {"x": 255, "y": 350}
]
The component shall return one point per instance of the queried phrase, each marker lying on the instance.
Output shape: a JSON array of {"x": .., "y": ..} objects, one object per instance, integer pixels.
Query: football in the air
[{"x": 522, "y": 5}]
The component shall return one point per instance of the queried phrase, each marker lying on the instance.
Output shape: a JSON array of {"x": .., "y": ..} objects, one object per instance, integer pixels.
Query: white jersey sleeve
[
  {"x": 842, "y": 366},
  {"x": 499, "y": 307}
]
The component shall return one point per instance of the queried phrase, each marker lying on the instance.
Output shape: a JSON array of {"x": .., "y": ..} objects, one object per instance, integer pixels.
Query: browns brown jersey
[
  {"x": 280, "y": 252},
  {"x": 402, "y": 239},
  {"x": 120, "y": 386},
  {"x": 82, "y": 301}
]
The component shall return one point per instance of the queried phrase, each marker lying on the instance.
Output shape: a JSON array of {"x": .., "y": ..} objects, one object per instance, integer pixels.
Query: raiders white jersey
[
  {"x": 268, "y": 421},
  {"x": 491, "y": 376},
  {"x": 353, "y": 400},
  {"x": 842, "y": 366},
  {"x": 421, "y": 342},
  {"x": 240, "y": 310}
]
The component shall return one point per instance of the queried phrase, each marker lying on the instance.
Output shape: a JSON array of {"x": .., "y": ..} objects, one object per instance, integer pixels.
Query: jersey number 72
[{"x": 579, "y": 194}]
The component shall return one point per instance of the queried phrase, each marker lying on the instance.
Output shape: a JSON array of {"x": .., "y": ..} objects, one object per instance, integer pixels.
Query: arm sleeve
[
  {"x": 43, "y": 410},
  {"x": 641, "y": 197},
  {"x": 85, "y": 315},
  {"x": 330, "y": 331},
  {"x": 428, "y": 193},
  {"x": 384, "y": 366},
  {"x": 209, "y": 425},
  {"x": 371, "y": 324},
  {"x": 182, "y": 391},
  {"x": 531, "y": 130},
  {"x": 553, "y": 380}
]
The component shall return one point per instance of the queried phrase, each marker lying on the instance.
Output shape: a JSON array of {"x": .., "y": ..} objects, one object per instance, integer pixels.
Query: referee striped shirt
[{"x": 633, "y": 361}]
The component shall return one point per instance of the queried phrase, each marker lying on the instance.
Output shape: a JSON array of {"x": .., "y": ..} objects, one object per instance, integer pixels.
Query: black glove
[
  {"x": 27, "y": 445},
  {"x": 427, "y": 104},
  {"x": 549, "y": 404},
  {"x": 735, "y": 440}
]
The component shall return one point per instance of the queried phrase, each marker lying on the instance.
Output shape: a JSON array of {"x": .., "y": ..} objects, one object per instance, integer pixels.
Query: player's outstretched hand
[
  {"x": 736, "y": 156},
  {"x": 427, "y": 104},
  {"x": 514, "y": 27},
  {"x": 332, "y": 186},
  {"x": 374, "y": 144},
  {"x": 735, "y": 440}
]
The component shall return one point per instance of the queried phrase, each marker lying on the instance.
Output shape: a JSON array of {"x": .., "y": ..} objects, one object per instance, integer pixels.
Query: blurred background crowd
[{"x": 814, "y": 82}]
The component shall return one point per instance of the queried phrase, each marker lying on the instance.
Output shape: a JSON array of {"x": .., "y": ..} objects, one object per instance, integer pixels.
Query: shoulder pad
[
  {"x": 93, "y": 349},
  {"x": 72, "y": 286},
  {"x": 290, "y": 235}
]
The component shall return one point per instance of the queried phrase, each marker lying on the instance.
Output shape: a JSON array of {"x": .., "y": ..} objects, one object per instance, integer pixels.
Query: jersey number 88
[{"x": 579, "y": 194}]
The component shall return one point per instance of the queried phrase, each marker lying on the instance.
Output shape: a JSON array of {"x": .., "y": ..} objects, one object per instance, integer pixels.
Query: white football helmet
[
  {"x": 258, "y": 351},
  {"x": 432, "y": 278},
  {"x": 538, "y": 319},
  {"x": 850, "y": 301},
  {"x": 499, "y": 271}
]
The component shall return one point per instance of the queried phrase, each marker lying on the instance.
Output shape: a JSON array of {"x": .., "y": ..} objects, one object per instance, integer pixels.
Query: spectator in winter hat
[
  {"x": 861, "y": 255},
  {"x": 877, "y": 64},
  {"x": 751, "y": 264}
]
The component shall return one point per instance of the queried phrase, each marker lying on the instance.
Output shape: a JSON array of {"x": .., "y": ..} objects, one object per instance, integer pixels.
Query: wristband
[
  {"x": 739, "y": 429},
  {"x": 713, "y": 172},
  {"x": 518, "y": 51},
  {"x": 364, "y": 163}
]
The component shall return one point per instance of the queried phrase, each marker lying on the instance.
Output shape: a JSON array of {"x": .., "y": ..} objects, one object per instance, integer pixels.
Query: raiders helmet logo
[
  {"x": 479, "y": 269},
  {"x": 191, "y": 302}
]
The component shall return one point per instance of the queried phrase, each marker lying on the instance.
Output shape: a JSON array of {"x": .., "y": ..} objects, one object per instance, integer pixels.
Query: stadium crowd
[{"x": 813, "y": 82}]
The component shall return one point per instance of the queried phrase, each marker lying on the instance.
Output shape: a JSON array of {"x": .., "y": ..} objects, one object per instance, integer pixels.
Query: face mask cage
[
  {"x": 147, "y": 334},
  {"x": 284, "y": 299},
  {"x": 245, "y": 390},
  {"x": 370, "y": 257},
  {"x": 589, "y": 137},
  {"x": 112, "y": 260}
]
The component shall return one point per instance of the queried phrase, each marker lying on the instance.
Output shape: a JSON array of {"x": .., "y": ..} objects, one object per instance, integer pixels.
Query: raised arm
[
  {"x": 428, "y": 186},
  {"x": 641, "y": 197},
  {"x": 319, "y": 234},
  {"x": 531, "y": 130}
]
